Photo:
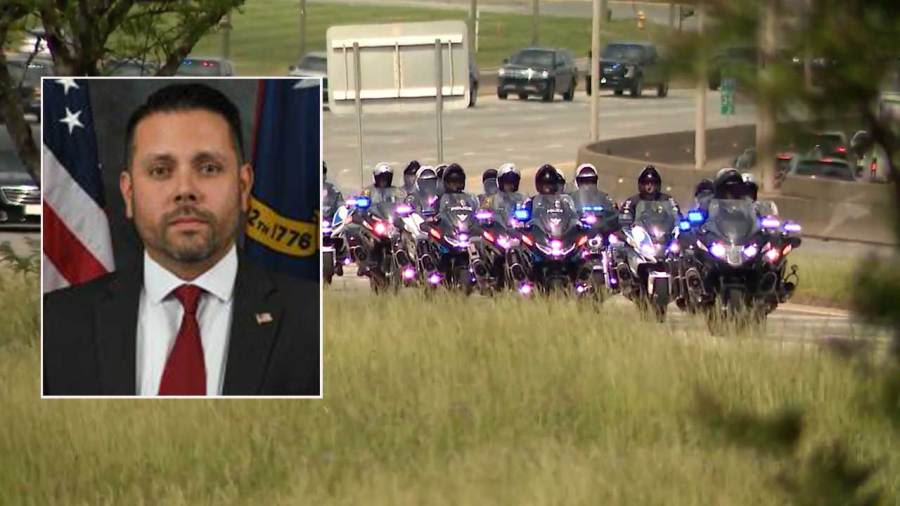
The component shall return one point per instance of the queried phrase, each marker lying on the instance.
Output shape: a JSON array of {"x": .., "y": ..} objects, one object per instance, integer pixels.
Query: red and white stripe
[{"x": 76, "y": 240}]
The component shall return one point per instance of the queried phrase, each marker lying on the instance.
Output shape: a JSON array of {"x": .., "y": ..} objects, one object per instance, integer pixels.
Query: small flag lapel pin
[{"x": 262, "y": 318}]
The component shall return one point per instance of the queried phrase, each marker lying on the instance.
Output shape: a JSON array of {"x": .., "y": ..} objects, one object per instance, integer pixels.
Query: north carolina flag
[
  {"x": 77, "y": 246},
  {"x": 283, "y": 225}
]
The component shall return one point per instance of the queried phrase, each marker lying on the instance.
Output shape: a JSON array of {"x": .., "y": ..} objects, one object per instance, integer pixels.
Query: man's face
[
  {"x": 649, "y": 187},
  {"x": 184, "y": 189}
]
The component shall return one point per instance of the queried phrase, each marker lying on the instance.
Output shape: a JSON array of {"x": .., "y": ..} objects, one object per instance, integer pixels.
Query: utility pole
[
  {"x": 807, "y": 57},
  {"x": 595, "y": 69},
  {"x": 473, "y": 19},
  {"x": 700, "y": 119},
  {"x": 225, "y": 26},
  {"x": 765, "y": 110},
  {"x": 535, "y": 15},
  {"x": 302, "y": 29}
]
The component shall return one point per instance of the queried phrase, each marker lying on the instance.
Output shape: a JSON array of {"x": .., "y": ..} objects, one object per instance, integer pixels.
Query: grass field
[
  {"x": 824, "y": 280},
  {"x": 464, "y": 401},
  {"x": 265, "y": 38}
]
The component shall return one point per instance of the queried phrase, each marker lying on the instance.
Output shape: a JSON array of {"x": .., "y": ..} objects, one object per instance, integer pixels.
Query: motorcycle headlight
[
  {"x": 718, "y": 250},
  {"x": 751, "y": 250}
]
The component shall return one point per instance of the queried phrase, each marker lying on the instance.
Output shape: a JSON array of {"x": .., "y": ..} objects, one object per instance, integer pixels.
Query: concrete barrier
[{"x": 829, "y": 209}]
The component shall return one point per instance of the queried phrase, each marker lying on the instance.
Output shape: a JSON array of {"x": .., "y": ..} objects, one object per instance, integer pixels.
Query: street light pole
[
  {"x": 700, "y": 119},
  {"x": 302, "y": 28},
  {"x": 595, "y": 70},
  {"x": 473, "y": 13},
  {"x": 765, "y": 110},
  {"x": 535, "y": 15},
  {"x": 226, "y": 36}
]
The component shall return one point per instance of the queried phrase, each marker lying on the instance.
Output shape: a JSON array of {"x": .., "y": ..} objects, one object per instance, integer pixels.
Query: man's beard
[{"x": 193, "y": 247}]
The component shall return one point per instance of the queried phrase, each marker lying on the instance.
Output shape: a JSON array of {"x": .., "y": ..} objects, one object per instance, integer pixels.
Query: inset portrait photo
[{"x": 180, "y": 237}]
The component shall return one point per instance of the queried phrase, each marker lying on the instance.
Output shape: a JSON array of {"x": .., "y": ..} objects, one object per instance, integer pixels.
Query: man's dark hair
[{"x": 186, "y": 97}]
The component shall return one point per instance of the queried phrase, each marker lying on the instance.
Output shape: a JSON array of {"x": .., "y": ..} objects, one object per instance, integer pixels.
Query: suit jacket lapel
[
  {"x": 256, "y": 317},
  {"x": 115, "y": 318}
]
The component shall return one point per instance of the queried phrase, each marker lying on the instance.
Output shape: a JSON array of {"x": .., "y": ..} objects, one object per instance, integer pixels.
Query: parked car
[
  {"x": 205, "y": 67},
  {"x": 824, "y": 168},
  {"x": 20, "y": 198},
  {"x": 130, "y": 67},
  {"x": 312, "y": 65},
  {"x": 631, "y": 66},
  {"x": 538, "y": 71},
  {"x": 26, "y": 77}
]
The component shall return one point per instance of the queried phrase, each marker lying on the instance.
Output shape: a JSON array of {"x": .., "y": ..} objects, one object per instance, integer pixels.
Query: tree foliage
[{"x": 83, "y": 35}]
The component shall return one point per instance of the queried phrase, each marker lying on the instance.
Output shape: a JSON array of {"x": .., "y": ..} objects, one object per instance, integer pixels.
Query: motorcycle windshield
[
  {"x": 504, "y": 204},
  {"x": 552, "y": 216},
  {"x": 657, "y": 219},
  {"x": 458, "y": 212},
  {"x": 733, "y": 220},
  {"x": 383, "y": 209}
]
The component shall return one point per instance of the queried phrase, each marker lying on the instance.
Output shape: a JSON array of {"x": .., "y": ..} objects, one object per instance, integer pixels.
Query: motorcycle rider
[
  {"x": 730, "y": 185},
  {"x": 439, "y": 170},
  {"x": 425, "y": 196},
  {"x": 649, "y": 184},
  {"x": 548, "y": 182},
  {"x": 331, "y": 200},
  {"x": 489, "y": 180},
  {"x": 381, "y": 189},
  {"x": 331, "y": 196},
  {"x": 508, "y": 198},
  {"x": 586, "y": 190},
  {"x": 409, "y": 176},
  {"x": 454, "y": 190},
  {"x": 703, "y": 193}
]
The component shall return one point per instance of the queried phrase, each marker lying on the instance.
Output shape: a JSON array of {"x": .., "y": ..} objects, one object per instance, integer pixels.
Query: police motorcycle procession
[{"x": 725, "y": 258}]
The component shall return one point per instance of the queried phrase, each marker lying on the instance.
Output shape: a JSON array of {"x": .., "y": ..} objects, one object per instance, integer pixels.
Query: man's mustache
[{"x": 188, "y": 212}]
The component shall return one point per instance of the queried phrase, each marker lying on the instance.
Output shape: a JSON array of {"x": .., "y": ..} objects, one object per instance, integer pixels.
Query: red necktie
[{"x": 185, "y": 372}]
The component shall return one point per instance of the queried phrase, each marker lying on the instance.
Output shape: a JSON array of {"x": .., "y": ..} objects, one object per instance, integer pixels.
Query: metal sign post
[
  {"x": 358, "y": 99},
  {"x": 595, "y": 71},
  {"x": 439, "y": 98}
]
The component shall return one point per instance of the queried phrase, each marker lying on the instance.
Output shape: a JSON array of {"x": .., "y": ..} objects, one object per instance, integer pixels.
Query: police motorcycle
[
  {"x": 443, "y": 255},
  {"x": 332, "y": 247},
  {"x": 551, "y": 240},
  {"x": 489, "y": 259},
  {"x": 419, "y": 208},
  {"x": 370, "y": 232},
  {"x": 490, "y": 262},
  {"x": 645, "y": 261},
  {"x": 600, "y": 221},
  {"x": 735, "y": 262}
]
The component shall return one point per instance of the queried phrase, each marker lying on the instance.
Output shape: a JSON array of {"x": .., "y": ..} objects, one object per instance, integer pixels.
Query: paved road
[
  {"x": 790, "y": 322},
  {"x": 527, "y": 133}
]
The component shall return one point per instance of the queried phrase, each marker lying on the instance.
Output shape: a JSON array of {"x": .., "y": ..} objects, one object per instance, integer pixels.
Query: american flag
[{"x": 76, "y": 239}]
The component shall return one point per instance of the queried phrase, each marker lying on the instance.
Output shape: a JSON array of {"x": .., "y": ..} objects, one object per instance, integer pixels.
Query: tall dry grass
[{"x": 458, "y": 401}]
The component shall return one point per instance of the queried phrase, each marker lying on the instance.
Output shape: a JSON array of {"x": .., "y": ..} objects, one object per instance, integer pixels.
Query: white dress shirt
[{"x": 159, "y": 318}]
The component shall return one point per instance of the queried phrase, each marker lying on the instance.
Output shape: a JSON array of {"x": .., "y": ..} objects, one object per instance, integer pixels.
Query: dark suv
[
  {"x": 631, "y": 66},
  {"x": 27, "y": 80},
  {"x": 538, "y": 71},
  {"x": 20, "y": 198}
]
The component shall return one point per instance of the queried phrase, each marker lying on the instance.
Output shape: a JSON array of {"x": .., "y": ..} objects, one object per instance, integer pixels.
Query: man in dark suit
[{"x": 196, "y": 318}]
